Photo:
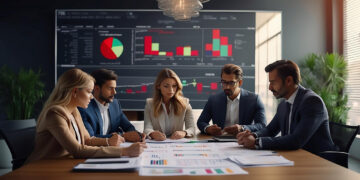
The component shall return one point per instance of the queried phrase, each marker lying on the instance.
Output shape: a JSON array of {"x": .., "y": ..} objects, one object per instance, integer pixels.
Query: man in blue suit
[
  {"x": 104, "y": 117},
  {"x": 233, "y": 110},
  {"x": 301, "y": 117}
]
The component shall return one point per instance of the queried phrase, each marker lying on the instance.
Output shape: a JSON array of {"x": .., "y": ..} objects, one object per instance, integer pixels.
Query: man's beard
[
  {"x": 107, "y": 100},
  {"x": 228, "y": 92},
  {"x": 279, "y": 94}
]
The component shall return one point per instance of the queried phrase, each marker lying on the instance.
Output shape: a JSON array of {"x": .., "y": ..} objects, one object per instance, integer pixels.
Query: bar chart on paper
[{"x": 192, "y": 171}]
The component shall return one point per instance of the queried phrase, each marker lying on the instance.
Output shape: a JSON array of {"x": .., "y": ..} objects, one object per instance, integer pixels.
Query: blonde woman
[
  {"x": 166, "y": 113},
  {"x": 60, "y": 131}
]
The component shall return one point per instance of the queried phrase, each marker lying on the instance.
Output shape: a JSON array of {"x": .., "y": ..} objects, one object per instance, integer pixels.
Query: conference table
[{"x": 306, "y": 166}]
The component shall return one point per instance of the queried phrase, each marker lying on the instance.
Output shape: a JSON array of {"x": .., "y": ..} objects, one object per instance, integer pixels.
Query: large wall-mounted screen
[{"x": 137, "y": 44}]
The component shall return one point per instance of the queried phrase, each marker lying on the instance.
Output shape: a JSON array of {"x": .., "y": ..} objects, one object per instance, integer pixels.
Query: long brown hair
[{"x": 177, "y": 100}]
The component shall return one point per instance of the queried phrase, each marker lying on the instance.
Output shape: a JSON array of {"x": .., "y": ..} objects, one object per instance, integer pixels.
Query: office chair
[
  {"x": 20, "y": 139},
  {"x": 343, "y": 136}
]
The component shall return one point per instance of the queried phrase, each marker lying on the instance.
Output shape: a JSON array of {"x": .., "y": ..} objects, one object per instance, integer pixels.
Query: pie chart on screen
[{"x": 111, "y": 48}]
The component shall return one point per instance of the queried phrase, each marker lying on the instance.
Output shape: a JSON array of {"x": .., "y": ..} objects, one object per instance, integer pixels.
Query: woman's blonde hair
[
  {"x": 177, "y": 100},
  {"x": 61, "y": 94}
]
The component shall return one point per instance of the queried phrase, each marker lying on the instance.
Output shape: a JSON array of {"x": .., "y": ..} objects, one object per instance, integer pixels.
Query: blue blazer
[
  {"x": 251, "y": 111},
  {"x": 93, "y": 121},
  {"x": 309, "y": 125}
]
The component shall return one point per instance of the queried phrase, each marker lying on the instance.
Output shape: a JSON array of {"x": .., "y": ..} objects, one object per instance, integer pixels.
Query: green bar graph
[
  {"x": 162, "y": 53},
  {"x": 219, "y": 171},
  {"x": 187, "y": 51},
  {"x": 224, "y": 50},
  {"x": 155, "y": 46},
  {"x": 216, "y": 44}
]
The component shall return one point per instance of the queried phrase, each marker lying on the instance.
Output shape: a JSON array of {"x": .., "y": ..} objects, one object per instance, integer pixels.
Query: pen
[
  {"x": 140, "y": 136},
  {"x": 121, "y": 131},
  {"x": 107, "y": 162}
]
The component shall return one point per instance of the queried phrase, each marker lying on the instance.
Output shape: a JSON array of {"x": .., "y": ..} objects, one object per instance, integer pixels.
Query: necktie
[{"x": 287, "y": 120}]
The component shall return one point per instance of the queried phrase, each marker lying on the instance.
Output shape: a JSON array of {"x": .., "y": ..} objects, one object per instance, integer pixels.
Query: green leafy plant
[
  {"x": 326, "y": 75},
  {"x": 20, "y": 92}
]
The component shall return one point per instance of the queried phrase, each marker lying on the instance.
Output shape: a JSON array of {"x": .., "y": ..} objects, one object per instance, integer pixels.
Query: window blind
[{"x": 352, "y": 56}]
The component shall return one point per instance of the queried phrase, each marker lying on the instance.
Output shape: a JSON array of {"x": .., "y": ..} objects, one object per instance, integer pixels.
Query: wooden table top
[{"x": 307, "y": 166}]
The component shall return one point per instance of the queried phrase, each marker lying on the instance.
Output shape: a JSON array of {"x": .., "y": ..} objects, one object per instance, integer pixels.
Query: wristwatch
[{"x": 242, "y": 129}]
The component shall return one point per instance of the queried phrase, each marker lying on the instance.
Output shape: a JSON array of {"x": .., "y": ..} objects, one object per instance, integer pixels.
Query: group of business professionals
[{"x": 67, "y": 126}]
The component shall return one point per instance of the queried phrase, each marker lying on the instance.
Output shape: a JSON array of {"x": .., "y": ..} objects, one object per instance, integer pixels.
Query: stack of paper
[
  {"x": 191, "y": 171},
  {"x": 261, "y": 161}
]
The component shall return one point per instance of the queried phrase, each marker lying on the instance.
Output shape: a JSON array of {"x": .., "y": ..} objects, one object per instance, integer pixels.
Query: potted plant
[
  {"x": 326, "y": 75},
  {"x": 20, "y": 92}
]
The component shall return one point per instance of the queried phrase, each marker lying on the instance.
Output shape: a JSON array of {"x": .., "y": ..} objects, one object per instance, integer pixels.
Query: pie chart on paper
[{"x": 111, "y": 48}]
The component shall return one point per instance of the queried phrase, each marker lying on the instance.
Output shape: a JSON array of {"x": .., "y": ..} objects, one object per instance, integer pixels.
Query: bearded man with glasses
[{"x": 235, "y": 109}]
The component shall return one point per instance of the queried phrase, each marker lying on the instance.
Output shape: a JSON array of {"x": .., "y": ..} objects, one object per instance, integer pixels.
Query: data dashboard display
[{"x": 137, "y": 44}]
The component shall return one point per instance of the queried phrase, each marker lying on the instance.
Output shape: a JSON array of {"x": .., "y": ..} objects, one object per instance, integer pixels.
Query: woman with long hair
[
  {"x": 60, "y": 131},
  {"x": 168, "y": 110}
]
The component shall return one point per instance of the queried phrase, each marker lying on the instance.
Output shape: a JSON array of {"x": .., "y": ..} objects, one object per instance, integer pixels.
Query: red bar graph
[
  {"x": 195, "y": 53},
  {"x": 180, "y": 51},
  {"x": 229, "y": 50},
  {"x": 219, "y": 45},
  {"x": 213, "y": 86},
  {"x": 199, "y": 87},
  {"x": 143, "y": 88},
  {"x": 147, "y": 45},
  {"x": 223, "y": 40},
  {"x": 129, "y": 91},
  {"x": 151, "y": 48},
  {"x": 156, "y": 53},
  {"x": 208, "y": 47},
  {"x": 216, "y": 53},
  {"x": 216, "y": 34}
]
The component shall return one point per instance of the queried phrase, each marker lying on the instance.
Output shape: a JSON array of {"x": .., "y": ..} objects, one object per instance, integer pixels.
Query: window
[
  {"x": 352, "y": 56},
  {"x": 268, "y": 50}
]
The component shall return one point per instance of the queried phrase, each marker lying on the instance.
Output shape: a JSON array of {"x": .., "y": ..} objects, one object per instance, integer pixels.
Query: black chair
[
  {"x": 343, "y": 136},
  {"x": 19, "y": 135}
]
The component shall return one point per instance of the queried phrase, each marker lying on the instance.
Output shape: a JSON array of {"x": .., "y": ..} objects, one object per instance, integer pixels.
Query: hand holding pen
[{"x": 115, "y": 140}]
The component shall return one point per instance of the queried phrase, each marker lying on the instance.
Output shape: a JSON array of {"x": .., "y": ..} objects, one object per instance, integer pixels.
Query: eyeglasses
[{"x": 228, "y": 83}]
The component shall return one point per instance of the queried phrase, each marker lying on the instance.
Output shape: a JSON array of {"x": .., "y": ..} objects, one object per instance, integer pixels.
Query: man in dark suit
[
  {"x": 233, "y": 110},
  {"x": 301, "y": 117},
  {"x": 104, "y": 117}
]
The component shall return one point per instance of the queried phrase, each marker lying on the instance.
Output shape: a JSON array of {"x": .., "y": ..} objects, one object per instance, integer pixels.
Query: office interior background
[{"x": 284, "y": 30}]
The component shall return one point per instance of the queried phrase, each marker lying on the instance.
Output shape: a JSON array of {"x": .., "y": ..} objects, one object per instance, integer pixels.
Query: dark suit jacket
[
  {"x": 309, "y": 125},
  {"x": 251, "y": 109},
  {"x": 93, "y": 122}
]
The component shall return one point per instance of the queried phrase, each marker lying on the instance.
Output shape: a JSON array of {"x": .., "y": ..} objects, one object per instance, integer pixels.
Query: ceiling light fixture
[{"x": 181, "y": 10}]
